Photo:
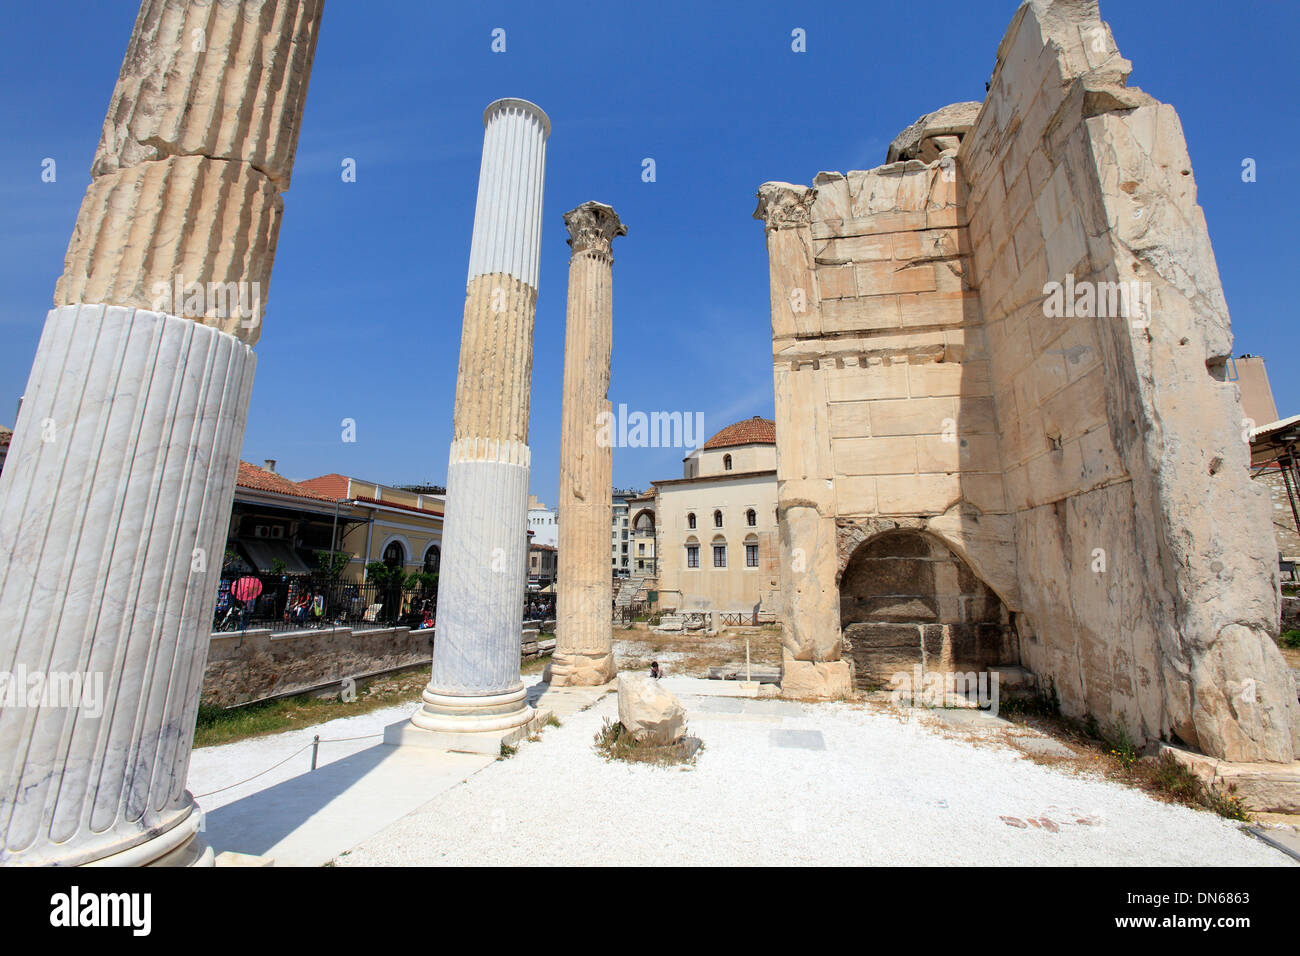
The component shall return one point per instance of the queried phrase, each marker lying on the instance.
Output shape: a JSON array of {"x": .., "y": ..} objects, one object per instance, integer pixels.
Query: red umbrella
[{"x": 246, "y": 589}]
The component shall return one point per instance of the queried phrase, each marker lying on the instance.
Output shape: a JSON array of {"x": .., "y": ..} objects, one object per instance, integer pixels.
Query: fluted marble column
[
  {"x": 475, "y": 683},
  {"x": 116, "y": 493},
  {"x": 584, "y": 647}
]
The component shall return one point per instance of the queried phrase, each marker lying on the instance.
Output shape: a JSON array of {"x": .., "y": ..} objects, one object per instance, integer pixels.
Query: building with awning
[
  {"x": 278, "y": 525},
  {"x": 1275, "y": 461}
]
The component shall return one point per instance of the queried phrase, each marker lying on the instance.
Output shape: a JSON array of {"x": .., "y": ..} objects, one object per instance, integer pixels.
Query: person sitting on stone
[{"x": 654, "y": 670}]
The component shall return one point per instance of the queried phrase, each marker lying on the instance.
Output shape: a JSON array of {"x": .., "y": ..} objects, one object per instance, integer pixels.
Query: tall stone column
[
  {"x": 584, "y": 648},
  {"x": 811, "y": 660},
  {"x": 475, "y": 684},
  {"x": 116, "y": 494}
]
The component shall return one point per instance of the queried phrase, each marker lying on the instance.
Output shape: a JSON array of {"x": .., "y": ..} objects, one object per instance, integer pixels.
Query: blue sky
[{"x": 364, "y": 308}]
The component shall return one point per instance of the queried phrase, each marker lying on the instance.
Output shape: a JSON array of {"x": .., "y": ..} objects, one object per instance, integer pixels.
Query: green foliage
[
  {"x": 383, "y": 576},
  {"x": 278, "y": 567},
  {"x": 332, "y": 564},
  {"x": 423, "y": 581},
  {"x": 1290, "y": 638},
  {"x": 1121, "y": 746}
]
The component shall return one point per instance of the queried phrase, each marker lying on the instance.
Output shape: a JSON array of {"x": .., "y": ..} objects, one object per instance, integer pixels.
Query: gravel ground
[{"x": 880, "y": 792}]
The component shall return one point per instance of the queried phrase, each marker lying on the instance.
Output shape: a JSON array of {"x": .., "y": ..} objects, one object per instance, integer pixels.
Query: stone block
[
  {"x": 875, "y": 456},
  {"x": 883, "y": 278},
  {"x": 861, "y": 314},
  {"x": 821, "y": 680},
  {"x": 649, "y": 711},
  {"x": 917, "y": 495}
]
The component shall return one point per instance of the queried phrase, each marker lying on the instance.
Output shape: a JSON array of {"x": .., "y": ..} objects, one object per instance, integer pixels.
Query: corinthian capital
[
  {"x": 592, "y": 227},
  {"x": 784, "y": 205}
]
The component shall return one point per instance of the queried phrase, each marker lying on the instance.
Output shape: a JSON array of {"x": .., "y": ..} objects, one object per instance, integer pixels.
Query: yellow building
[{"x": 400, "y": 527}]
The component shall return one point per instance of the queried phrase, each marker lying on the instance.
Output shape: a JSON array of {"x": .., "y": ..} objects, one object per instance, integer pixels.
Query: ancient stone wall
[
  {"x": 1077, "y": 444},
  {"x": 1150, "y": 591},
  {"x": 254, "y": 664}
]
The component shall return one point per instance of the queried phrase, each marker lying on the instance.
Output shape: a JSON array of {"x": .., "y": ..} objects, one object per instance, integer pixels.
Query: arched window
[
  {"x": 751, "y": 551},
  {"x": 726, "y": 462},
  {"x": 690, "y": 521},
  {"x": 692, "y": 553},
  {"x": 717, "y": 519},
  {"x": 719, "y": 552},
  {"x": 394, "y": 554},
  {"x": 432, "y": 559},
  {"x": 751, "y": 517}
]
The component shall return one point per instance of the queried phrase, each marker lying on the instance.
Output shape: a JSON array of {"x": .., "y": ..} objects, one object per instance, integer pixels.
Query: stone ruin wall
[{"x": 908, "y": 311}]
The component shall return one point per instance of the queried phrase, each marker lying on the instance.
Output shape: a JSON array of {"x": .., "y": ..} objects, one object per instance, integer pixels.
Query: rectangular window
[
  {"x": 719, "y": 555},
  {"x": 640, "y": 547},
  {"x": 751, "y": 555},
  {"x": 692, "y": 555}
]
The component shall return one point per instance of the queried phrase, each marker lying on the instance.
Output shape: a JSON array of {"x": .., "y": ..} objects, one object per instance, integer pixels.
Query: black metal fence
[
  {"x": 290, "y": 601},
  {"x": 636, "y": 611}
]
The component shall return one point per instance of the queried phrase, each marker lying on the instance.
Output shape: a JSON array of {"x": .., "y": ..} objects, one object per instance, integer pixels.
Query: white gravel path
[{"x": 881, "y": 792}]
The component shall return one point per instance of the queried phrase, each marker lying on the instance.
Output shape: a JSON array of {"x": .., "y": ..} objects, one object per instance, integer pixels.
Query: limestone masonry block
[
  {"x": 226, "y": 81},
  {"x": 186, "y": 235}
]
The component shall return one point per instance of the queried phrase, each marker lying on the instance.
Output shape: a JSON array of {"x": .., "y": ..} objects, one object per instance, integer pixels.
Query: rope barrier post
[{"x": 315, "y": 749}]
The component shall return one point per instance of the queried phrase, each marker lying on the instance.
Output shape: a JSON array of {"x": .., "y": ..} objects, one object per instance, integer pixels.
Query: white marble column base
[
  {"x": 480, "y": 725},
  {"x": 179, "y": 846}
]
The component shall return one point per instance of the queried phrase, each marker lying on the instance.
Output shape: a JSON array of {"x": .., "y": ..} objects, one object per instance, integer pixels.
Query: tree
[{"x": 332, "y": 563}]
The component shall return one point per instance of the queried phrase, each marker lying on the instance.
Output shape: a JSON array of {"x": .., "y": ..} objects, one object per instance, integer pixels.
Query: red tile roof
[
  {"x": 259, "y": 479},
  {"x": 751, "y": 431},
  {"x": 396, "y": 504},
  {"x": 334, "y": 485}
]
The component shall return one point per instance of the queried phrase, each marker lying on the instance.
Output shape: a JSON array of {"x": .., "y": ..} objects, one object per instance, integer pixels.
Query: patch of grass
[
  {"x": 1227, "y": 805},
  {"x": 1121, "y": 746},
  {"x": 507, "y": 751},
  {"x": 536, "y": 665},
  {"x": 613, "y": 742},
  {"x": 1114, "y": 755},
  {"x": 223, "y": 725},
  {"x": 1174, "y": 779},
  {"x": 1171, "y": 778},
  {"x": 552, "y": 721}
]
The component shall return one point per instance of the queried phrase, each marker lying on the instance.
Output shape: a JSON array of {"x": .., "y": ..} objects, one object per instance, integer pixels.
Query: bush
[{"x": 1290, "y": 638}]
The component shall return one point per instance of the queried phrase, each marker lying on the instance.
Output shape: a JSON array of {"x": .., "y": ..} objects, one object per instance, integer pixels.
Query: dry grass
[
  {"x": 1292, "y": 656},
  {"x": 613, "y": 742},
  {"x": 691, "y": 655},
  {"x": 220, "y": 725},
  {"x": 1097, "y": 752}
]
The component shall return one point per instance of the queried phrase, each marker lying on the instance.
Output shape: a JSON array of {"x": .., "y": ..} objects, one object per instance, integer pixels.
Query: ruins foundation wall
[{"x": 1089, "y": 469}]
